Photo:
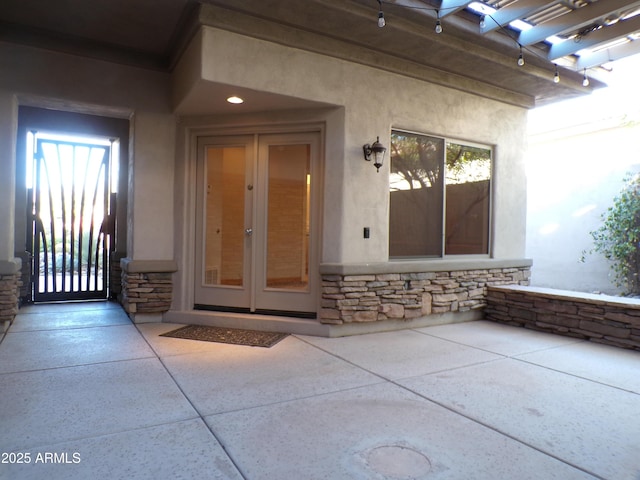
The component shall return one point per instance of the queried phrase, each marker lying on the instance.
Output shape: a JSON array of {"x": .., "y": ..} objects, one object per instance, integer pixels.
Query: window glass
[
  {"x": 439, "y": 197},
  {"x": 416, "y": 200},
  {"x": 468, "y": 175}
]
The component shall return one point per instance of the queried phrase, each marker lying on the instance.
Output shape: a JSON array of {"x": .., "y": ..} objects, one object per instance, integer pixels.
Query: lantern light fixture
[{"x": 375, "y": 152}]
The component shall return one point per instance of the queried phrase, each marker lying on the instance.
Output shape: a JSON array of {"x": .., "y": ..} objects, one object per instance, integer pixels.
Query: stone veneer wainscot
[
  {"x": 406, "y": 290},
  {"x": 10, "y": 283}
]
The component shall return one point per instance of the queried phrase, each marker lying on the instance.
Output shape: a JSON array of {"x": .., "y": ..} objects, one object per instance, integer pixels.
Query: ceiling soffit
[
  {"x": 457, "y": 58},
  {"x": 154, "y": 33}
]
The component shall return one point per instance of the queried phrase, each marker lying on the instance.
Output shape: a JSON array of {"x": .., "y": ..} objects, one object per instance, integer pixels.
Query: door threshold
[{"x": 246, "y": 311}]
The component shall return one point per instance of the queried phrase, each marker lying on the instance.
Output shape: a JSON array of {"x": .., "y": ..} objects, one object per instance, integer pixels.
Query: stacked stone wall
[
  {"x": 24, "y": 286},
  {"x": 404, "y": 296},
  {"x": 9, "y": 298},
  {"x": 115, "y": 277},
  {"x": 146, "y": 292},
  {"x": 598, "y": 318}
]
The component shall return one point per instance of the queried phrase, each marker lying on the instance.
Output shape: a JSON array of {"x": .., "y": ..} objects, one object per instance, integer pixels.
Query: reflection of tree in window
[
  {"x": 416, "y": 159},
  {"x": 416, "y": 200},
  {"x": 466, "y": 163}
]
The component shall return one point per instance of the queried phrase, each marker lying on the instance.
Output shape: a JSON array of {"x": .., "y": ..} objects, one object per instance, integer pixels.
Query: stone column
[
  {"x": 9, "y": 292},
  {"x": 147, "y": 288}
]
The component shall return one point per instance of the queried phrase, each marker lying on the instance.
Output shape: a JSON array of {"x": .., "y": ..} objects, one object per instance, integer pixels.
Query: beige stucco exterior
[
  {"x": 348, "y": 102},
  {"x": 374, "y": 102}
]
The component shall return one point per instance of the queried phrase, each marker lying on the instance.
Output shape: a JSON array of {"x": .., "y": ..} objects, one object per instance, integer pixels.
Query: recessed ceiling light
[{"x": 234, "y": 99}]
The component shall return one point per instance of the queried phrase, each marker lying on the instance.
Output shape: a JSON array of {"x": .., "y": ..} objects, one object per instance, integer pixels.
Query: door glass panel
[
  {"x": 288, "y": 213},
  {"x": 224, "y": 216}
]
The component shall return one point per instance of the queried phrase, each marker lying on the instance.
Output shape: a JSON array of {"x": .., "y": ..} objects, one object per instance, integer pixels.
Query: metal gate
[{"x": 71, "y": 225}]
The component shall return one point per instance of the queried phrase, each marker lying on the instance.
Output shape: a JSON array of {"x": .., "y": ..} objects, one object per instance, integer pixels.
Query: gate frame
[{"x": 55, "y": 118}]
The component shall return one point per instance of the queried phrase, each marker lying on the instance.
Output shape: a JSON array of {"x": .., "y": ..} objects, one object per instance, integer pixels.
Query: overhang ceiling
[{"x": 573, "y": 34}]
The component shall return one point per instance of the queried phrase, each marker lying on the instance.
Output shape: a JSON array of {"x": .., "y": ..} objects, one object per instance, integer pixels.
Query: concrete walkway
[{"x": 84, "y": 394}]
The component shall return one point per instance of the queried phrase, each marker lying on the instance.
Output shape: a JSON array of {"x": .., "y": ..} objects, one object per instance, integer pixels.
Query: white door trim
[{"x": 187, "y": 235}]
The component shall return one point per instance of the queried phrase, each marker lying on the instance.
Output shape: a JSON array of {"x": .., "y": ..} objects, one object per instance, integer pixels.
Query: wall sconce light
[{"x": 377, "y": 151}]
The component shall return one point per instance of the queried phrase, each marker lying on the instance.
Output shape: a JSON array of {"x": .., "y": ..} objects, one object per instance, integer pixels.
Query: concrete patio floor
[{"x": 85, "y": 394}]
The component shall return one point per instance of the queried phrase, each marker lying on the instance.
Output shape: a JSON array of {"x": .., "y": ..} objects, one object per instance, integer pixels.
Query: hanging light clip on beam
[
  {"x": 520, "y": 58},
  {"x": 375, "y": 152},
  {"x": 484, "y": 15},
  {"x": 381, "y": 21}
]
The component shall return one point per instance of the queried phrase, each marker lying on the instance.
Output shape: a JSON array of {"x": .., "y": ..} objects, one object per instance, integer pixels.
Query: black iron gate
[{"x": 71, "y": 225}]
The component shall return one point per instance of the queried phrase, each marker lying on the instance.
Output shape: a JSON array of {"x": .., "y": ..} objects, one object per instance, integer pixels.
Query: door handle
[{"x": 248, "y": 232}]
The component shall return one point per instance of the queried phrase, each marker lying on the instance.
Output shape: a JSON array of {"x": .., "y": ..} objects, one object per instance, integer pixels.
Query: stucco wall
[
  {"x": 353, "y": 102},
  {"x": 8, "y": 126},
  {"x": 375, "y": 101},
  {"x": 579, "y": 152},
  {"x": 573, "y": 176}
]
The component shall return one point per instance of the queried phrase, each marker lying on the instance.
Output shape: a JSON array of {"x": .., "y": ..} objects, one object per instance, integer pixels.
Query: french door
[{"x": 256, "y": 223}]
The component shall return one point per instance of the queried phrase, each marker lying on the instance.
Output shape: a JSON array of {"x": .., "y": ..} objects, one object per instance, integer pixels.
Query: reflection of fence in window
[
  {"x": 468, "y": 174},
  {"x": 416, "y": 195},
  {"x": 439, "y": 197}
]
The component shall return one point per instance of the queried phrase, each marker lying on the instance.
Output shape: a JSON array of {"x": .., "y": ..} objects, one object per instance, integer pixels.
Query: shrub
[{"x": 618, "y": 239}]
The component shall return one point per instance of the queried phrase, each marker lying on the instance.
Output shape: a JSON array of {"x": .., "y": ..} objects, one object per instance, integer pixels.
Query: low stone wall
[
  {"x": 147, "y": 288},
  {"x": 379, "y": 296},
  {"x": 599, "y": 318},
  {"x": 10, "y": 283}
]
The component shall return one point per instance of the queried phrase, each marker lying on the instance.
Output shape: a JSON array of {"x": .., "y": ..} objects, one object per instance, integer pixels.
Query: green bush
[{"x": 618, "y": 239}]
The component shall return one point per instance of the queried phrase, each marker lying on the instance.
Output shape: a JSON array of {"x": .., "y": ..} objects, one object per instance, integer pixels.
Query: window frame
[{"x": 490, "y": 220}]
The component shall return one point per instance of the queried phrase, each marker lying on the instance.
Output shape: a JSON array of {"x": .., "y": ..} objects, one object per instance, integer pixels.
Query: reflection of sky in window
[
  {"x": 421, "y": 157},
  {"x": 398, "y": 182},
  {"x": 475, "y": 171}
]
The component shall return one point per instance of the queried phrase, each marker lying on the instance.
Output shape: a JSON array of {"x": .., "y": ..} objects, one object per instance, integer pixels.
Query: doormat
[{"x": 235, "y": 336}]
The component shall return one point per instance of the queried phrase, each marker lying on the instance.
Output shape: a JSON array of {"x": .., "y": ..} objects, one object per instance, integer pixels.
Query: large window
[{"x": 439, "y": 197}]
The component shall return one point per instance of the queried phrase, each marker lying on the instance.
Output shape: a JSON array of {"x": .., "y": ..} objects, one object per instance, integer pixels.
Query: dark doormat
[{"x": 235, "y": 336}]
